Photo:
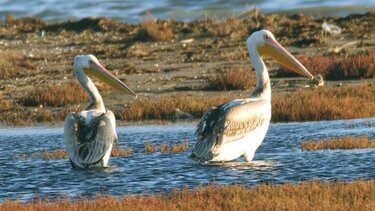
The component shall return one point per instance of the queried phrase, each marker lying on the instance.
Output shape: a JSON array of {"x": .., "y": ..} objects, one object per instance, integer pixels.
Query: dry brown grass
[
  {"x": 63, "y": 154},
  {"x": 348, "y": 142},
  {"x": 5, "y": 105},
  {"x": 13, "y": 63},
  {"x": 309, "y": 195},
  {"x": 124, "y": 152},
  {"x": 54, "y": 155},
  {"x": 334, "y": 67},
  {"x": 154, "y": 30},
  {"x": 325, "y": 104},
  {"x": 149, "y": 147},
  {"x": 174, "y": 148},
  {"x": 56, "y": 95},
  {"x": 239, "y": 78},
  {"x": 233, "y": 27},
  {"x": 164, "y": 107}
]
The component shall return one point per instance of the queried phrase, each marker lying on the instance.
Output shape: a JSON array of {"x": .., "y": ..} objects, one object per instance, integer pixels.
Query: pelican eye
[
  {"x": 90, "y": 61},
  {"x": 266, "y": 37}
]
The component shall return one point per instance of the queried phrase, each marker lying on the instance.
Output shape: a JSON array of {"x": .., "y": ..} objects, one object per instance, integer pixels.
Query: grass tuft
[
  {"x": 154, "y": 30},
  {"x": 359, "y": 66},
  {"x": 149, "y": 147},
  {"x": 174, "y": 148},
  {"x": 13, "y": 63},
  {"x": 348, "y": 142},
  {"x": 56, "y": 95},
  {"x": 233, "y": 79},
  {"x": 118, "y": 152}
]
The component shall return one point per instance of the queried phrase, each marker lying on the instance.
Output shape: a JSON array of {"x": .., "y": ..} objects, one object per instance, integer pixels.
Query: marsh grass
[
  {"x": 54, "y": 155},
  {"x": 154, "y": 30},
  {"x": 347, "y": 142},
  {"x": 232, "y": 79},
  {"x": 5, "y": 105},
  {"x": 174, "y": 148},
  {"x": 149, "y": 147},
  {"x": 121, "y": 152},
  {"x": 165, "y": 107},
  {"x": 12, "y": 63},
  {"x": 358, "y": 66},
  {"x": 325, "y": 104},
  {"x": 338, "y": 195},
  {"x": 63, "y": 154},
  {"x": 56, "y": 95}
]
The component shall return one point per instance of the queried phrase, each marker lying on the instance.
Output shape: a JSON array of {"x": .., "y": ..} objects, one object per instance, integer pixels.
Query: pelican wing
[
  {"x": 227, "y": 123},
  {"x": 88, "y": 141}
]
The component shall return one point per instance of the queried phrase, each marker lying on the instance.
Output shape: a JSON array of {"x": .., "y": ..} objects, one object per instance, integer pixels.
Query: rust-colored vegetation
[
  {"x": 54, "y": 155},
  {"x": 347, "y": 142},
  {"x": 324, "y": 104},
  {"x": 63, "y": 154},
  {"x": 174, "y": 148},
  {"x": 56, "y": 95},
  {"x": 5, "y": 105},
  {"x": 240, "y": 78},
  {"x": 121, "y": 152},
  {"x": 149, "y": 147},
  {"x": 357, "y": 195},
  {"x": 233, "y": 27},
  {"x": 164, "y": 107},
  {"x": 13, "y": 63},
  {"x": 358, "y": 66},
  {"x": 154, "y": 30}
]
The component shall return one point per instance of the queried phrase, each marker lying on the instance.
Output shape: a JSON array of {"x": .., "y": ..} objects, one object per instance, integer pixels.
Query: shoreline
[{"x": 169, "y": 63}]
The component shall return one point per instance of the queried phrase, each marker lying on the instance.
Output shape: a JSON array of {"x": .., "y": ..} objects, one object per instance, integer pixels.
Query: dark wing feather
[
  {"x": 88, "y": 143},
  {"x": 228, "y": 122}
]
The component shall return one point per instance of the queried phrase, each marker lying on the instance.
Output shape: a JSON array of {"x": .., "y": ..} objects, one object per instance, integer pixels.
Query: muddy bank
[{"x": 157, "y": 58}]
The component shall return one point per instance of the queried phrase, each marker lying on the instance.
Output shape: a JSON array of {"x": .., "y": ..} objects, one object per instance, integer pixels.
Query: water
[
  {"x": 278, "y": 160},
  {"x": 134, "y": 11}
]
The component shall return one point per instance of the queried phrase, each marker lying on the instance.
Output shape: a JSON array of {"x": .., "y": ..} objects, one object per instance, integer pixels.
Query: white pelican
[
  {"x": 89, "y": 135},
  {"x": 238, "y": 127}
]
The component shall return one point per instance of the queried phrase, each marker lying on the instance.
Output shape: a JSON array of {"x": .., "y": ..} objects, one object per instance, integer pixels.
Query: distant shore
[{"x": 189, "y": 66}]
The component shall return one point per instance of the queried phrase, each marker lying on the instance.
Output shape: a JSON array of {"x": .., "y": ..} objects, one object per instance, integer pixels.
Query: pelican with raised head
[
  {"x": 90, "y": 134},
  {"x": 238, "y": 127}
]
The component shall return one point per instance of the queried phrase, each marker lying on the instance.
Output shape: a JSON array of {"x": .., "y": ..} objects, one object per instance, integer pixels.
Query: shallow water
[
  {"x": 134, "y": 11},
  {"x": 278, "y": 160}
]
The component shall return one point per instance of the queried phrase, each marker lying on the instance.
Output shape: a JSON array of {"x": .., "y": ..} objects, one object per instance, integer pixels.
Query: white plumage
[{"x": 238, "y": 127}]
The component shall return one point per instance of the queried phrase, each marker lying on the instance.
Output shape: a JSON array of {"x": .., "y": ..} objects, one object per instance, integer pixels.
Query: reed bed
[
  {"x": 358, "y": 66},
  {"x": 347, "y": 142},
  {"x": 232, "y": 79},
  {"x": 165, "y": 107},
  {"x": 308, "y": 195},
  {"x": 56, "y": 95},
  {"x": 325, "y": 104}
]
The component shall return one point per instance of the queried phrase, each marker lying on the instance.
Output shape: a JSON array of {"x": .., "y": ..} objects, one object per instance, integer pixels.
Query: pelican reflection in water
[
  {"x": 90, "y": 134},
  {"x": 238, "y": 127}
]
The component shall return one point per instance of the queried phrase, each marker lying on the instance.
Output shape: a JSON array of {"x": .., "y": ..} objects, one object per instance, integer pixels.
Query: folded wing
[{"x": 88, "y": 141}]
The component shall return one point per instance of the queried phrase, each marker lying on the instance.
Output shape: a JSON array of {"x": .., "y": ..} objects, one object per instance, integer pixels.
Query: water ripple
[{"x": 278, "y": 160}]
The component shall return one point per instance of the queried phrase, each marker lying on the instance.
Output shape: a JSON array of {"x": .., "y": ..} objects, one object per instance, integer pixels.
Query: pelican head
[
  {"x": 91, "y": 66},
  {"x": 266, "y": 45}
]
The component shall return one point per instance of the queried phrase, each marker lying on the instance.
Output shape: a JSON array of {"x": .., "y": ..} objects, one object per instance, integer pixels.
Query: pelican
[
  {"x": 89, "y": 135},
  {"x": 237, "y": 128}
]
